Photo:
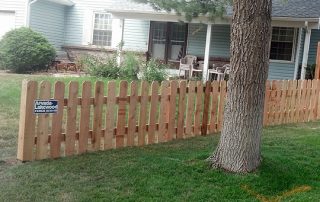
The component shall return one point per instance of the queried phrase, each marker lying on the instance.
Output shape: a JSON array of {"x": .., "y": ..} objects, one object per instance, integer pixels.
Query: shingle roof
[
  {"x": 280, "y": 8},
  {"x": 296, "y": 8}
]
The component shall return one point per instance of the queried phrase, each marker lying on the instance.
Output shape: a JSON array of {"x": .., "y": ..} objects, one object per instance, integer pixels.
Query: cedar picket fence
[{"x": 136, "y": 115}]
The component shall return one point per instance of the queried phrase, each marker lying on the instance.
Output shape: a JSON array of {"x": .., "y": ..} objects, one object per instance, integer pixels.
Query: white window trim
[
  {"x": 92, "y": 29},
  {"x": 293, "y": 50}
]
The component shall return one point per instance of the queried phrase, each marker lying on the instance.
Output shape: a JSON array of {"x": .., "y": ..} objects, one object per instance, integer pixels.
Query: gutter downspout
[{"x": 28, "y": 12}]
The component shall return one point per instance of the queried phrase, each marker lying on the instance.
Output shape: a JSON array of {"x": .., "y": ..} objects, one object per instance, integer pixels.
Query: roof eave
[
  {"x": 151, "y": 14},
  {"x": 63, "y": 2}
]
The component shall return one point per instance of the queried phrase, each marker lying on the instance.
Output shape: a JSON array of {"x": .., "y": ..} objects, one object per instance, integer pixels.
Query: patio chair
[
  {"x": 187, "y": 63},
  {"x": 198, "y": 69},
  {"x": 212, "y": 71},
  {"x": 226, "y": 71},
  {"x": 220, "y": 71}
]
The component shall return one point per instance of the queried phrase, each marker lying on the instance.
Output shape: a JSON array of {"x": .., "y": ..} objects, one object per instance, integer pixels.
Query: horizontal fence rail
[{"x": 95, "y": 116}]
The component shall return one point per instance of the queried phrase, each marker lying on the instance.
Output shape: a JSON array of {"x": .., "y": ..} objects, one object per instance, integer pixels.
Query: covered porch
[{"x": 170, "y": 39}]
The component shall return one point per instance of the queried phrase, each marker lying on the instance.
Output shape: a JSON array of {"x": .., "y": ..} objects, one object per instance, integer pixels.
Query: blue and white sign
[{"x": 45, "y": 106}]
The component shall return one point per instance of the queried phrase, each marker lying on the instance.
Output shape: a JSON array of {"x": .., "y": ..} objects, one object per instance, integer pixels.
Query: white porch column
[
  {"x": 305, "y": 53},
  {"x": 207, "y": 54},
  {"x": 296, "y": 66},
  {"x": 120, "y": 45}
]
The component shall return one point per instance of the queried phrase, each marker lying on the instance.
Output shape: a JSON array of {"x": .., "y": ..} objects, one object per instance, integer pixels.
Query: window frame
[
  {"x": 294, "y": 44},
  {"x": 167, "y": 43},
  {"x": 92, "y": 29}
]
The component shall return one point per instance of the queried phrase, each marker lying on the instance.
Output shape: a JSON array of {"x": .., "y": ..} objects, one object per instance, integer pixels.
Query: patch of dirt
[{"x": 49, "y": 73}]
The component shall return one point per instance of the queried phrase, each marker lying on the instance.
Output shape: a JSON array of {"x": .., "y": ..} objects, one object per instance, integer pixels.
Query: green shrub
[
  {"x": 99, "y": 67},
  {"x": 154, "y": 71},
  {"x": 130, "y": 67},
  {"x": 23, "y": 50}
]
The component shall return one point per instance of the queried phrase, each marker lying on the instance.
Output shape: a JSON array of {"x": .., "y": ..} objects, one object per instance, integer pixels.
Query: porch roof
[
  {"x": 290, "y": 10},
  {"x": 63, "y": 2}
]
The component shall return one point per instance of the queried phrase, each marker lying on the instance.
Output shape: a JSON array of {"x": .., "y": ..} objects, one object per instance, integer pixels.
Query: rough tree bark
[{"x": 239, "y": 147}]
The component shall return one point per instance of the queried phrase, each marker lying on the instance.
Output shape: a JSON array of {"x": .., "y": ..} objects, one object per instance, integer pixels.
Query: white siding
[
  {"x": 136, "y": 35},
  {"x": 48, "y": 19},
  {"x": 19, "y": 7},
  {"x": 7, "y": 20}
]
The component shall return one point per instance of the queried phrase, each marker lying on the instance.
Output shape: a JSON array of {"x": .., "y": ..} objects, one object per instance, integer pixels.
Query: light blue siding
[
  {"x": 220, "y": 47},
  {"x": 79, "y": 16},
  {"x": 74, "y": 24},
  {"x": 136, "y": 35},
  {"x": 315, "y": 38},
  {"x": 220, "y": 40},
  {"x": 280, "y": 71},
  {"x": 48, "y": 19}
]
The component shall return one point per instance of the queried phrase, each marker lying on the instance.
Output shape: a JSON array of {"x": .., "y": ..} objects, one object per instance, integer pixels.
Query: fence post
[
  {"x": 27, "y": 121},
  {"x": 205, "y": 118},
  {"x": 317, "y": 70}
]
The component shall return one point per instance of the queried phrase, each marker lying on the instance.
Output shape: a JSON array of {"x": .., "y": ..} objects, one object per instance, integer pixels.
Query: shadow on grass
[{"x": 174, "y": 171}]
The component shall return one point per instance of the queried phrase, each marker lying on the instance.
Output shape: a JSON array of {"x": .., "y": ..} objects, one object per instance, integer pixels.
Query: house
[{"x": 99, "y": 26}]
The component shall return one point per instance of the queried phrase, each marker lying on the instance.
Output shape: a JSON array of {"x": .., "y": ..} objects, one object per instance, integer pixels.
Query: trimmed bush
[
  {"x": 99, "y": 67},
  {"x": 23, "y": 50},
  {"x": 130, "y": 67},
  {"x": 154, "y": 71}
]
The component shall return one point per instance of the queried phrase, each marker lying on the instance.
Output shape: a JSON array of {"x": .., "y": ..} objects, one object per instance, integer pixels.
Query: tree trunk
[{"x": 239, "y": 147}]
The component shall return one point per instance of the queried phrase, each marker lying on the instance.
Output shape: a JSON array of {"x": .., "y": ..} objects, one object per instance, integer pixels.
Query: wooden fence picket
[
  {"x": 172, "y": 110},
  {"x": 110, "y": 116},
  {"x": 297, "y": 101},
  {"x": 27, "y": 121},
  {"x": 303, "y": 100},
  {"x": 190, "y": 109},
  {"x": 153, "y": 112},
  {"x": 85, "y": 117},
  {"x": 291, "y": 100},
  {"x": 267, "y": 104},
  {"x": 132, "y": 120},
  {"x": 164, "y": 111},
  {"x": 214, "y": 107},
  {"x": 55, "y": 139},
  {"x": 283, "y": 106},
  {"x": 199, "y": 108},
  {"x": 273, "y": 101},
  {"x": 308, "y": 99},
  {"x": 43, "y": 123},
  {"x": 206, "y": 109},
  {"x": 277, "y": 111},
  {"x": 97, "y": 115},
  {"x": 181, "y": 109},
  {"x": 143, "y": 113},
  {"x": 71, "y": 127},
  {"x": 122, "y": 108},
  {"x": 318, "y": 100},
  {"x": 222, "y": 98},
  {"x": 312, "y": 100}
]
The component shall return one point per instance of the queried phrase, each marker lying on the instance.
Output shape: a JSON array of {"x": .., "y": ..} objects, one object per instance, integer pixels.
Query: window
[
  {"x": 282, "y": 43},
  {"x": 102, "y": 30},
  {"x": 168, "y": 40},
  {"x": 178, "y": 34}
]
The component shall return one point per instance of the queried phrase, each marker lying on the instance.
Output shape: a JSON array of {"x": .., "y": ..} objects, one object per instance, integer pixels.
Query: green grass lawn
[{"x": 174, "y": 171}]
